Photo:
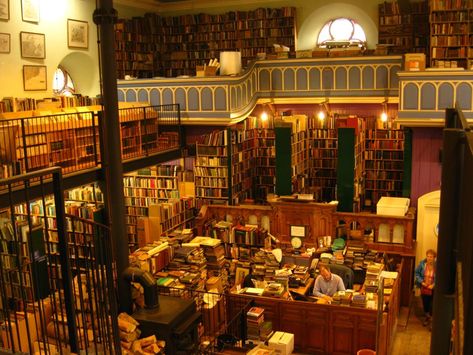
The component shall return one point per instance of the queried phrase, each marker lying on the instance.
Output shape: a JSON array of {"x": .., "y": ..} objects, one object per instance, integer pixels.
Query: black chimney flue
[{"x": 145, "y": 279}]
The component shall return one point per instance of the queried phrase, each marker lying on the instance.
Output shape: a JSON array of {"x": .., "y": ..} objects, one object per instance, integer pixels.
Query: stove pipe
[{"x": 145, "y": 279}]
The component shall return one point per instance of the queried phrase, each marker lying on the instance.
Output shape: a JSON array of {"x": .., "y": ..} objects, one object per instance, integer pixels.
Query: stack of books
[
  {"x": 274, "y": 290},
  {"x": 342, "y": 298},
  {"x": 358, "y": 300},
  {"x": 372, "y": 277},
  {"x": 254, "y": 322},
  {"x": 388, "y": 277}
]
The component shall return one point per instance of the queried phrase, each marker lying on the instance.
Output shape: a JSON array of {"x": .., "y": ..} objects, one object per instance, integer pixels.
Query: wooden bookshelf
[
  {"x": 384, "y": 164},
  {"x": 144, "y": 188},
  {"x": 176, "y": 213},
  {"x": 323, "y": 146},
  {"x": 407, "y": 31},
  {"x": 299, "y": 152},
  {"x": 260, "y": 151},
  {"x": 174, "y": 45},
  {"x": 211, "y": 169},
  {"x": 240, "y": 169},
  {"x": 451, "y": 35}
]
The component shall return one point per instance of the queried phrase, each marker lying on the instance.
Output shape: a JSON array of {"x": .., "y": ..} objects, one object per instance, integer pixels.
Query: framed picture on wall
[
  {"x": 4, "y": 43},
  {"x": 30, "y": 10},
  {"x": 77, "y": 34},
  {"x": 34, "y": 77},
  {"x": 33, "y": 45},
  {"x": 4, "y": 10}
]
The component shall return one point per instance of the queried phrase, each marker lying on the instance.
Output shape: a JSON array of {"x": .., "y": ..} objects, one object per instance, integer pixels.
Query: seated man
[{"x": 327, "y": 283}]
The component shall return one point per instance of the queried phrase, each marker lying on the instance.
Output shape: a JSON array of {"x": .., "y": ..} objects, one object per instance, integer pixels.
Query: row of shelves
[
  {"x": 152, "y": 45},
  {"x": 250, "y": 172}
]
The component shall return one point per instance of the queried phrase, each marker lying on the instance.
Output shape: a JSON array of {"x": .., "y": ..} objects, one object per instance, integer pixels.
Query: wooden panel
[
  {"x": 366, "y": 332},
  {"x": 342, "y": 340},
  {"x": 292, "y": 321},
  {"x": 317, "y": 331}
]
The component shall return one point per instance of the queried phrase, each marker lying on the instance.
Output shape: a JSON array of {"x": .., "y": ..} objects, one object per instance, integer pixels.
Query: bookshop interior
[{"x": 240, "y": 177}]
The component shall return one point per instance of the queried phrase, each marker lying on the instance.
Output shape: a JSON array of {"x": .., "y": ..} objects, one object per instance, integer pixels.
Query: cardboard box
[
  {"x": 392, "y": 206},
  {"x": 282, "y": 343},
  {"x": 414, "y": 61}
]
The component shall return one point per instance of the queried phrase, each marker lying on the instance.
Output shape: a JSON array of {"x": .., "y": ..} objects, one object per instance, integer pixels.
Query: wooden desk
[{"x": 324, "y": 328}]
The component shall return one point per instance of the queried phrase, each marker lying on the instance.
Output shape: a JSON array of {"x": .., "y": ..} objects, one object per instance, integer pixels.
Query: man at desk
[{"x": 327, "y": 284}]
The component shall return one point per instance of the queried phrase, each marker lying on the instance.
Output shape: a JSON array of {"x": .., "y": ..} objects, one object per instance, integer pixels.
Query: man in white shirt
[{"x": 327, "y": 283}]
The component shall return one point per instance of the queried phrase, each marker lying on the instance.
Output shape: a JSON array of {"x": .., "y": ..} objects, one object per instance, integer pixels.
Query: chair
[{"x": 345, "y": 273}]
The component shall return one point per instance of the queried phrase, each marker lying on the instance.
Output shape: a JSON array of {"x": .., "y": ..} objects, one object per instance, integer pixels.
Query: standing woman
[{"x": 425, "y": 280}]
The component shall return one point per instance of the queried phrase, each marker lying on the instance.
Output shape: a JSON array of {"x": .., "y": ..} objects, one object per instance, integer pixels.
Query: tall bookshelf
[
  {"x": 299, "y": 152},
  {"x": 173, "y": 45},
  {"x": 137, "y": 47},
  {"x": 323, "y": 144},
  {"x": 211, "y": 169},
  {"x": 384, "y": 165},
  {"x": 451, "y": 33},
  {"x": 146, "y": 187},
  {"x": 260, "y": 151},
  {"x": 405, "y": 31},
  {"x": 240, "y": 167}
]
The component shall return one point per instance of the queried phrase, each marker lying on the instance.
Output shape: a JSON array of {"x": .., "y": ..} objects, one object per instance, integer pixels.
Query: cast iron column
[{"x": 105, "y": 16}]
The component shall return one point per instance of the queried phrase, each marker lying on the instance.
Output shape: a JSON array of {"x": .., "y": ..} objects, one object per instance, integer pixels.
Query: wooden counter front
[{"x": 317, "y": 328}]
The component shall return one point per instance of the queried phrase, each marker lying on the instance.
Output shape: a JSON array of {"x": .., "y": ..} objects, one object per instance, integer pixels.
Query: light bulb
[
  {"x": 384, "y": 116},
  {"x": 264, "y": 116},
  {"x": 321, "y": 115}
]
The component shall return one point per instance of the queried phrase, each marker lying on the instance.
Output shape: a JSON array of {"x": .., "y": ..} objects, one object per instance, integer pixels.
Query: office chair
[{"x": 345, "y": 273}]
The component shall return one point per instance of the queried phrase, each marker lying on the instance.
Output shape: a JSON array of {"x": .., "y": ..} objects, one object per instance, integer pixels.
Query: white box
[
  {"x": 392, "y": 206},
  {"x": 282, "y": 343}
]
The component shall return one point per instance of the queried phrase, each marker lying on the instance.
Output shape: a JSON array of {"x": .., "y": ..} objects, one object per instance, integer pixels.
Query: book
[{"x": 255, "y": 312}]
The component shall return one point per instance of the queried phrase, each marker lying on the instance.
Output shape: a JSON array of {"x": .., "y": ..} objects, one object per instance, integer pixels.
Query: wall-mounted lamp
[
  {"x": 323, "y": 112},
  {"x": 384, "y": 116},
  {"x": 384, "y": 113},
  {"x": 264, "y": 116}
]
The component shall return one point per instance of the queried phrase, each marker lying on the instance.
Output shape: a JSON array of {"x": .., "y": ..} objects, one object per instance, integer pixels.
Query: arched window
[
  {"x": 62, "y": 82},
  {"x": 341, "y": 32}
]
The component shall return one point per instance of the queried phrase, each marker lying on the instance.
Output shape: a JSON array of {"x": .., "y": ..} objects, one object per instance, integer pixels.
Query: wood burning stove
[{"x": 175, "y": 321}]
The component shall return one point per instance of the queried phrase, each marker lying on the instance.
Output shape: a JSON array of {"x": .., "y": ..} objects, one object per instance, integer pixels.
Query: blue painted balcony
[{"x": 226, "y": 99}]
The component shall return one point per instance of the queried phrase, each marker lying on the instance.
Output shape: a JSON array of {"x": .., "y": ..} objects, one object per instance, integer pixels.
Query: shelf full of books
[
  {"x": 169, "y": 46},
  {"x": 211, "y": 169},
  {"x": 154, "y": 192},
  {"x": 384, "y": 165},
  {"x": 451, "y": 40}
]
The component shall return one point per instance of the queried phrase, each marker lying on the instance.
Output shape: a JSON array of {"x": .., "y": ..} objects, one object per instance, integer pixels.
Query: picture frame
[
  {"x": 30, "y": 10},
  {"x": 5, "y": 43},
  {"x": 35, "y": 77},
  {"x": 33, "y": 45},
  {"x": 4, "y": 10},
  {"x": 77, "y": 34},
  {"x": 240, "y": 274}
]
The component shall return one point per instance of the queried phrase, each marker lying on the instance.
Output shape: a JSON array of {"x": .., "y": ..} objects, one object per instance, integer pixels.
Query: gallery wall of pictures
[{"x": 31, "y": 43}]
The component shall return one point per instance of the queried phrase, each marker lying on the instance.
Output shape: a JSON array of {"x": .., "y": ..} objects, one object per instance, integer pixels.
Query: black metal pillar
[
  {"x": 446, "y": 245},
  {"x": 105, "y": 17}
]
